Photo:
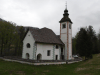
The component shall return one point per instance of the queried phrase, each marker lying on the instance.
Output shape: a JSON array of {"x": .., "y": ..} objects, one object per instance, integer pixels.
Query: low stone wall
[{"x": 31, "y": 61}]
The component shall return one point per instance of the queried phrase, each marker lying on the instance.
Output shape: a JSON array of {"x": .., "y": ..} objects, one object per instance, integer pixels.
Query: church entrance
[
  {"x": 39, "y": 57},
  {"x": 27, "y": 55}
]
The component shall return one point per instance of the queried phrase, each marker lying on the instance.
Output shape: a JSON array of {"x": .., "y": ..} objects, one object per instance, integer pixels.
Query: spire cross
[{"x": 66, "y": 5}]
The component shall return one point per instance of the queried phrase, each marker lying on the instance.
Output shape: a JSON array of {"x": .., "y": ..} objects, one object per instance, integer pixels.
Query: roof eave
[
  {"x": 65, "y": 21},
  {"x": 48, "y": 43}
]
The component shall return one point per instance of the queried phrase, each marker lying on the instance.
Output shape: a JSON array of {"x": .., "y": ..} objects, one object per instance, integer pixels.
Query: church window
[
  {"x": 56, "y": 46},
  {"x": 48, "y": 52},
  {"x": 63, "y": 26},
  {"x": 28, "y": 45},
  {"x": 69, "y": 26}
]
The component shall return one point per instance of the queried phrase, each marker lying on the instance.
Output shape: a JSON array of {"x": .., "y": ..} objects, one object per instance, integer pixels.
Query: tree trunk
[
  {"x": 1, "y": 47},
  {"x": 9, "y": 49}
]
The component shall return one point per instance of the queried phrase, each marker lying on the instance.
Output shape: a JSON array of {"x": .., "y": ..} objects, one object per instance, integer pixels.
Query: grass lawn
[{"x": 89, "y": 67}]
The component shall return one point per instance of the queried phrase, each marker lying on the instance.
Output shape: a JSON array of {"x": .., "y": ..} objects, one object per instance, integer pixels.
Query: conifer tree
[{"x": 83, "y": 44}]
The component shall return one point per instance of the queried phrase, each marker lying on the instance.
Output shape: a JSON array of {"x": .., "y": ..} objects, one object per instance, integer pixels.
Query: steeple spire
[
  {"x": 66, "y": 11},
  {"x": 66, "y": 6},
  {"x": 65, "y": 16}
]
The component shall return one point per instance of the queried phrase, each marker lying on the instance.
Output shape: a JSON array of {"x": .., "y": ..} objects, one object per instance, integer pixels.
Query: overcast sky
[{"x": 47, "y": 13}]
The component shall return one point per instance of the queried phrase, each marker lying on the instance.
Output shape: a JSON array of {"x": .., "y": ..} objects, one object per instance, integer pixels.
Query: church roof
[{"x": 45, "y": 35}]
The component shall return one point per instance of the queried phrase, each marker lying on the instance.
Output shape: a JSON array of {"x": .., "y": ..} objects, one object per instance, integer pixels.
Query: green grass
[{"x": 89, "y": 67}]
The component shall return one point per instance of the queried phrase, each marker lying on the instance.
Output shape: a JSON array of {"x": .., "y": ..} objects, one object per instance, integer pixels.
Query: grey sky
[{"x": 47, "y": 13}]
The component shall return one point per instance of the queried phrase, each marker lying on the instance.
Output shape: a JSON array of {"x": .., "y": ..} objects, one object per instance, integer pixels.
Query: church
[{"x": 44, "y": 44}]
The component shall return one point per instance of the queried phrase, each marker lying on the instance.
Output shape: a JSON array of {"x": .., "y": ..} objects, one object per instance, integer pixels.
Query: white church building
[{"x": 44, "y": 44}]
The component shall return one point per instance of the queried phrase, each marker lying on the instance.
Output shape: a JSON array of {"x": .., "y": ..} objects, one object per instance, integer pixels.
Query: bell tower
[{"x": 66, "y": 34}]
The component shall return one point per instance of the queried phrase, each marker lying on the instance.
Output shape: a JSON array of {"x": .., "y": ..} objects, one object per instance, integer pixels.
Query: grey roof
[{"x": 45, "y": 35}]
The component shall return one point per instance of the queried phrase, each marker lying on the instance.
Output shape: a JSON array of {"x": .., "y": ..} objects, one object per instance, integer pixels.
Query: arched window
[{"x": 28, "y": 45}]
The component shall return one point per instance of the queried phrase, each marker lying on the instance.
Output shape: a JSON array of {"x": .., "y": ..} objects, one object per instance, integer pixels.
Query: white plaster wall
[
  {"x": 70, "y": 30},
  {"x": 70, "y": 38},
  {"x": 70, "y": 51},
  {"x": 63, "y": 30},
  {"x": 42, "y": 49},
  {"x": 70, "y": 42},
  {"x": 65, "y": 51},
  {"x": 28, "y": 39},
  {"x": 64, "y": 37}
]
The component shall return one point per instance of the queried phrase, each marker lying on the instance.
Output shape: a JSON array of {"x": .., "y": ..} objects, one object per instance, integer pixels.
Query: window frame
[
  {"x": 57, "y": 47},
  {"x": 63, "y": 26},
  {"x": 48, "y": 52},
  {"x": 28, "y": 45}
]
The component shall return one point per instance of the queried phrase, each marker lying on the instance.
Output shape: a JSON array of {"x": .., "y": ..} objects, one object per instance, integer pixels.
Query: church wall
[
  {"x": 70, "y": 47},
  {"x": 70, "y": 38},
  {"x": 70, "y": 52},
  {"x": 63, "y": 31},
  {"x": 28, "y": 39},
  {"x": 70, "y": 30},
  {"x": 64, "y": 38},
  {"x": 70, "y": 42},
  {"x": 42, "y": 49},
  {"x": 65, "y": 51},
  {"x": 57, "y": 52}
]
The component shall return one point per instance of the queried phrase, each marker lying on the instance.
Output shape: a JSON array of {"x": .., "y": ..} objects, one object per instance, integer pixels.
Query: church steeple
[
  {"x": 65, "y": 16},
  {"x": 66, "y": 6},
  {"x": 65, "y": 13},
  {"x": 66, "y": 34}
]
